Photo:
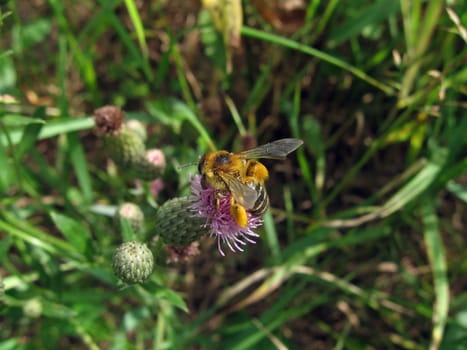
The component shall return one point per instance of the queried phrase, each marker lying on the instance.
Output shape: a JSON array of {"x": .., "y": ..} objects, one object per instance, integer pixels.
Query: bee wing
[
  {"x": 278, "y": 149},
  {"x": 242, "y": 193}
]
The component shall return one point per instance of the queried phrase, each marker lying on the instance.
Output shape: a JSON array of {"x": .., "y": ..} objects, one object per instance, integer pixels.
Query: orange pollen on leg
[{"x": 239, "y": 214}]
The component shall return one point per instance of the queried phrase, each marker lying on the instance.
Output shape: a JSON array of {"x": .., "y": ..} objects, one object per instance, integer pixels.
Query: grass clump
[{"x": 364, "y": 245}]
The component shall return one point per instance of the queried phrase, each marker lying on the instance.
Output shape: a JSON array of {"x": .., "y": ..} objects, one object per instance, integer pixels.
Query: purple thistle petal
[
  {"x": 219, "y": 248},
  {"x": 215, "y": 208}
]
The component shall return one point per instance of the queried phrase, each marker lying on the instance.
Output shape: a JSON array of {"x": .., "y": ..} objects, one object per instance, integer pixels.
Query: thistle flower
[{"x": 215, "y": 209}]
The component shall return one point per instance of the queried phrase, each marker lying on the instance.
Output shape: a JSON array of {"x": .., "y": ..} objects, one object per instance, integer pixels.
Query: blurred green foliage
[{"x": 365, "y": 244}]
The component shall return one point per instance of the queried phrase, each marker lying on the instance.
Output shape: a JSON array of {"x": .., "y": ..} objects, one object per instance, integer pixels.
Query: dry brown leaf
[{"x": 284, "y": 15}]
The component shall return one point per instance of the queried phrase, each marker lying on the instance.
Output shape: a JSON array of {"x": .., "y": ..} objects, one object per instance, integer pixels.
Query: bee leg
[
  {"x": 238, "y": 213},
  {"x": 257, "y": 171},
  {"x": 217, "y": 202}
]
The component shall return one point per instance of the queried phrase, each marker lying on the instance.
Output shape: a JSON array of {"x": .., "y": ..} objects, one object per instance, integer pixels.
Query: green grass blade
[
  {"x": 16, "y": 120},
  {"x": 29, "y": 137},
  {"x": 138, "y": 24},
  {"x": 28, "y": 233},
  {"x": 458, "y": 190},
  {"x": 271, "y": 237},
  {"x": 437, "y": 258},
  {"x": 254, "y": 33},
  {"x": 8, "y": 74},
  {"x": 372, "y": 15},
  {"x": 72, "y": 230},
  {"x": 323, "y": 20},
  {"x": 130, "y": 45},
  {"x": 173, "y": 112},
  {"x": 82, "y": 57},
  {"x": 80, "y": 166},
  {"x": 53, "y": 128},
  {"x": 419, "y": 31},
  {"x": 5, "y": 175},
  {"x": 413, "y": 188}
]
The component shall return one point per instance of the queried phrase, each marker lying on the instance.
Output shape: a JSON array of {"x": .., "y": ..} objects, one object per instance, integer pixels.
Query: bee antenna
[{"x": 186, "y": 165}]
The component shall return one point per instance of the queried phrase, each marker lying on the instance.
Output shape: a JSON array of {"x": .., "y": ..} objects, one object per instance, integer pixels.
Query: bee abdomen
[{"x": 262, "y": 201}]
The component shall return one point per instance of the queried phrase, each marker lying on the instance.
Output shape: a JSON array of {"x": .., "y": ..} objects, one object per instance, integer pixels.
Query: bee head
[
  {"x": 213, "y": 161},
  {"x": 211, "y": 165},
  {"x": 222, "y": 158}
]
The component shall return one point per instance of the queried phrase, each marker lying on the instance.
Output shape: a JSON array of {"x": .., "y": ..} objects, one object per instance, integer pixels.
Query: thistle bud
[
  {"x": 151, "y": 165},
  {"x": 108, "y": 120},
  {"x": 124, "y": 145},
  {"x": 138, "y": 128},
  {"x": 176, "y": 224},
  {"x": 133, "y": 262},
  {"x": 125, "y": 148},
  {"x": 132, "y": 214}
]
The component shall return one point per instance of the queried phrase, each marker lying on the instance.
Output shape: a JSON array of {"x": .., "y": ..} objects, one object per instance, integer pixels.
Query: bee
[{"x": 243, "y": 177}]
